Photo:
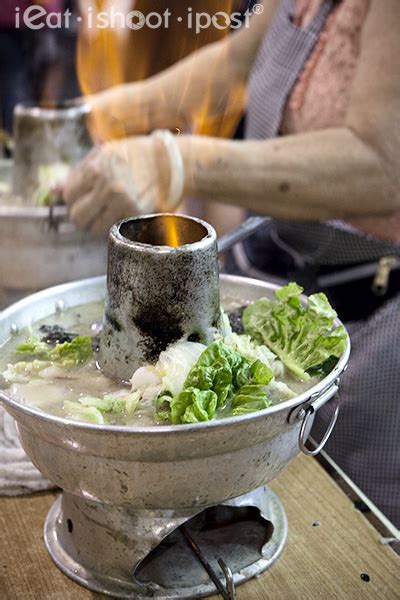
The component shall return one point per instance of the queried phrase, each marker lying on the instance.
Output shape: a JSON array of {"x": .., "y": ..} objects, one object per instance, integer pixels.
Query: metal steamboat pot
[
  {"x": 184, "y": 467},
  {"x": 125, "y": 489},
  {"x": 40, "y": 247},
  {"x": 44, "y": 135}
]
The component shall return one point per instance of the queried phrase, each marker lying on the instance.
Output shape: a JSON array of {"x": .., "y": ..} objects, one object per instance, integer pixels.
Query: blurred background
[
  {"x": 65, "y": 57},
  {"x": 51, "y": 52},
  {"x": 53, "y": 64}
]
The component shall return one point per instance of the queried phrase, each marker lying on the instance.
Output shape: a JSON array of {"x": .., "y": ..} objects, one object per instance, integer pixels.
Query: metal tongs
[{"x": 227, "y": 591}]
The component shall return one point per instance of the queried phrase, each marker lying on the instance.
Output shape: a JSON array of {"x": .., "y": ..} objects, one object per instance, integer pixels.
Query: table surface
[{"x": 318, "y": 562}]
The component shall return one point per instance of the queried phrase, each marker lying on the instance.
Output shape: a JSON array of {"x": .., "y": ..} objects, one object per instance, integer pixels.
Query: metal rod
[
  {"x": 247, "y": 228},
  {"x": 225, "y": 592},
  {"x": 230, "y": 584}
]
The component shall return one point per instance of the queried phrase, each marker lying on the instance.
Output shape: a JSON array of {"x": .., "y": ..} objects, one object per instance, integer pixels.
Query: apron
[{"x": 365, "y": 442}]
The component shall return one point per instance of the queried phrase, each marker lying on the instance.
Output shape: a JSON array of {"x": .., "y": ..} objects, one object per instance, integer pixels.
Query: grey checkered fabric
[
  {"x": 365, "y": 442},
  {"x": 281, "y": 59},
  {"x": 331, "y": 244},
  {"x": 17, "y": 473},
  {"x": 279, "y": 62}
]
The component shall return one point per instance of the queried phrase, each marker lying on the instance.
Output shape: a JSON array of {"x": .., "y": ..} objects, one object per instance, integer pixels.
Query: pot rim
[
  {"x": 33, "y": 212},
  {"x": 55, "y": 293},
  {"x": 209, "y": 238},
  {"x": 67, "y": 110}
]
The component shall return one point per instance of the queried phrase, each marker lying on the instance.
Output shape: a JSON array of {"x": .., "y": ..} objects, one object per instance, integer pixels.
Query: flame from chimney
[{"x": 110, "y": 56}]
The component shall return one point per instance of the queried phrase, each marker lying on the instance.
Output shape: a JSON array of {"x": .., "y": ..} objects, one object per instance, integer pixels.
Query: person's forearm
[
  {"x": 170, "y": 99},
  {"x": 319, "y": 175},
  {"x": 208, "y": 83}
]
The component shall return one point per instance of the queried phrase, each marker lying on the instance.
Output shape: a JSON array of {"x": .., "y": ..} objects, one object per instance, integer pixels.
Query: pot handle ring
[{"x": 310, "y": 412}]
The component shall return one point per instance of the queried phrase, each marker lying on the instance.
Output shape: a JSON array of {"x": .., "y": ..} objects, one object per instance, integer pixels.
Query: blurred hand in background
[{"x": 118, "y": 180}]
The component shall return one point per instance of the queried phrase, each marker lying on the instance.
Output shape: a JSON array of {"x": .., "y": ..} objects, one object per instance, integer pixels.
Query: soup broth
[{"x": 54, "y": 388}]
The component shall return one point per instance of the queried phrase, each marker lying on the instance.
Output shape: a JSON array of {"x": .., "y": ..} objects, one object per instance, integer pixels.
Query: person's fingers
[
  {"x": 115, "y": 212},
  {"x": 82, "y": 179},
  {"x": 86, "y": 210}
]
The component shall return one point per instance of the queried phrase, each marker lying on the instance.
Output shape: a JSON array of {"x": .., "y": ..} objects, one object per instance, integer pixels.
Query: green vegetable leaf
[
  {"x": 251, "y": 396},
  {"x": 218, "y": 369},
  {"x": 303, "y": 337},
  {"x": 68, "y": 354},
  {"x": 79, "y": 412},
  {"x": 132, "y": 402},
  {"x": 33, "y": 346},
  {"x": 163, "y": 407},
  {"x": 221, "y": 379},
  {"x": 24, "y": 371},
  {"x": 104, "y": 405},
  {"x": 77, "y": 352},
  {"x": 97, "y": 410},
  {"x": 193, "y": 406},
  {"x": 250, "y": 349}
]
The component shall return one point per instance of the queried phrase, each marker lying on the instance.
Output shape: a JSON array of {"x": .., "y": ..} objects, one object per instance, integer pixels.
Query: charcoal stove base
[{"x": 144, "y": 554}]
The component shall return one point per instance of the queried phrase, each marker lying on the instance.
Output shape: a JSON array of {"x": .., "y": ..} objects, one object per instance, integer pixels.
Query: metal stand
[{"x": 147, "y": 555}]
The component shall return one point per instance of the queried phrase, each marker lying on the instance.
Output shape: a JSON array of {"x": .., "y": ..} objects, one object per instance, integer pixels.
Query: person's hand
[{"x": 118, "y": 180}]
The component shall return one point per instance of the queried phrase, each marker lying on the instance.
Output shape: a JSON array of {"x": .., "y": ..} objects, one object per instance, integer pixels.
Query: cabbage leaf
[
  {"x": 193, "y": 406},
  {"x": 221, "y": 379},
  {"x": 68, "y": 354},
  {"x": 40, "y": 356},
  {"x": 252, "y": 397},
  {"x": 303, "y": 337},
  {"x": 24, "y": 371},
  {"x": 79, "y": 412},
  {"x": 175, "y": 363},
  {"x": 96, "y": 410}
]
